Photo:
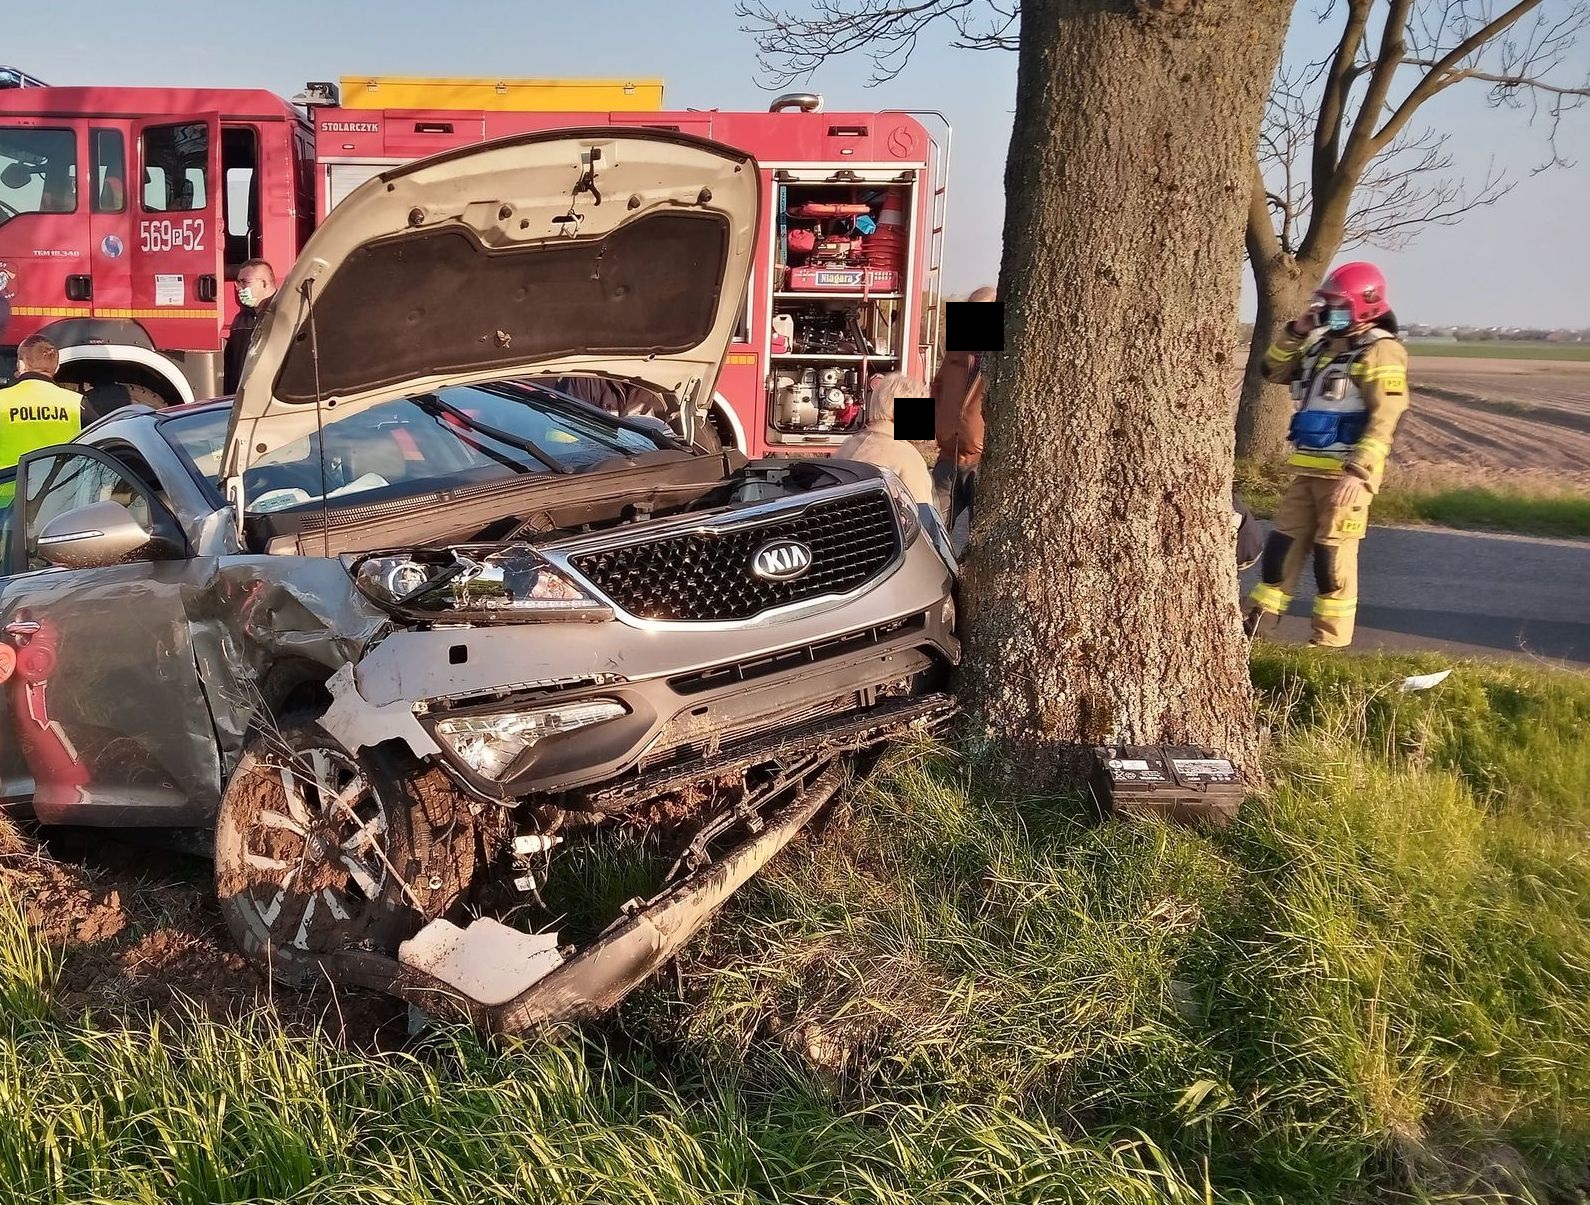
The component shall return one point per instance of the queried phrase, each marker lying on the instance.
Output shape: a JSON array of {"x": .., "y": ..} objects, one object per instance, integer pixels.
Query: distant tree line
[
  {"x": 1477, "y": 334},
  {"x": 1511, "y": 334}
]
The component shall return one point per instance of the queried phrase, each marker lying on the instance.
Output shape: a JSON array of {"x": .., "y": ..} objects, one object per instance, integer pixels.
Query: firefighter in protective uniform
[{"x": 1349, "y": 376}]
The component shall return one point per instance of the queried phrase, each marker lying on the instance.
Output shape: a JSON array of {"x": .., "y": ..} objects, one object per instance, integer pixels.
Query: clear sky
[{"x": 1526, "y": 261}]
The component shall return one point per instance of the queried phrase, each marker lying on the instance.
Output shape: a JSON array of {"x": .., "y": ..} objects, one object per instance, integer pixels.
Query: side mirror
[{"x": 96, "y": 535}]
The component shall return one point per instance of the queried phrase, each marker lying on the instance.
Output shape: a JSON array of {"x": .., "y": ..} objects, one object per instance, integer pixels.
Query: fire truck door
[
  {"x": 43, "y": 239},
  {"x": 179, "y": 237},
  {"x": 109, "y": 198}
]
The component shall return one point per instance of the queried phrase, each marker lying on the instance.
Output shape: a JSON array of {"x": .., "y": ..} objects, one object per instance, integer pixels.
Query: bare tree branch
[
  {"x": 1335, "y": 166},
  {"x": 1407, "y": 189},
  {"x": 1508, "y": 84},
  {"x": 791, "y": 47},
  {"x": 1440, "y": 75},
  {"x": 1344, "y": 70},
  {"x": 1383, "y": 185},
  {"x": 1264, "y": 247}
]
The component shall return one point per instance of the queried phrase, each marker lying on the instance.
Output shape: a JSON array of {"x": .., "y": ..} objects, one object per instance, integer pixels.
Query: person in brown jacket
[{"x": 958, "y": 427}]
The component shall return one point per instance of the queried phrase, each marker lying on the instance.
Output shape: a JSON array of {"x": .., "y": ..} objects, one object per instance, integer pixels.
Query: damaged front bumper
[
  {"x": 504, "y": 982},
  {"x": 676, "y": 690}
]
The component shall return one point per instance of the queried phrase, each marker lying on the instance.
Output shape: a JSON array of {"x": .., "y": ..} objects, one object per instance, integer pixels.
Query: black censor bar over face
[
  {"x": 974, "y": 326},
  {"x": 913, "y": 418},
  {"x": 969, "y": 326}
]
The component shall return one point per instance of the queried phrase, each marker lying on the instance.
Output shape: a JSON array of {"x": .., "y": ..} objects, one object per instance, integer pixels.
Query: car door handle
[
  {"x": 205, "y": 288},
  {"x": 79, "y": 287}
]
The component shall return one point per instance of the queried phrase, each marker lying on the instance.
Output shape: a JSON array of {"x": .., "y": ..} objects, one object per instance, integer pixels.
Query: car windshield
[{"x": 466, "y": 434}]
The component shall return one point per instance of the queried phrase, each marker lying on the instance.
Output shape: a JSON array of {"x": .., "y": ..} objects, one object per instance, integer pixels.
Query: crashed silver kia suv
[{"x": 445, "y": 661}]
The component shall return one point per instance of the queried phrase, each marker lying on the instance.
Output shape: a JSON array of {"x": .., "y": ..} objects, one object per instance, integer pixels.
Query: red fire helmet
[{"x": 1361, "y": 287}]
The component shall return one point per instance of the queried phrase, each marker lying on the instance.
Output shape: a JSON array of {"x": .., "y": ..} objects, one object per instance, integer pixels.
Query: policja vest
[
  {"x": 1331, "y": 411},
  {"x": 35, "y": 412}
]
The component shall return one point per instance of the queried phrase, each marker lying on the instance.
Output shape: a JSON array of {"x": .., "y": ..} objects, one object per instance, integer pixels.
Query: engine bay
[
  {"x": 759, "y": 481},
  {"x": 547, "y": 511}
]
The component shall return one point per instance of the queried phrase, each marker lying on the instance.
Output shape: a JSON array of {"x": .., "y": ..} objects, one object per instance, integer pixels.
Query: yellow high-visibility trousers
[{"x": 1305, "y": 522}]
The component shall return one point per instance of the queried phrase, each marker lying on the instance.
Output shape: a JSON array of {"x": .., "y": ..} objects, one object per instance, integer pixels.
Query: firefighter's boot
[
  {"x": 1336, "y": 603},
  {"x": 1259, "y": 622},
  {"x": 1281, "y": 564}
]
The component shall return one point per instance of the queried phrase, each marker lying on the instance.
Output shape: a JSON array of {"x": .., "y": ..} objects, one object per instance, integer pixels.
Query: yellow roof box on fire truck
[{"x": 502, "y": 95}]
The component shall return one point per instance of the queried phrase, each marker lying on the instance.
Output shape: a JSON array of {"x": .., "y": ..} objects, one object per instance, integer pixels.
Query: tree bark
[
  {"x": 1102, "y": 595},
  {"x": 1264, "y": 411}
]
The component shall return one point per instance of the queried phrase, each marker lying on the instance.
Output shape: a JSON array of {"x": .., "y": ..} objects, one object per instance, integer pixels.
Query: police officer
[
  {"x": 35, "y": 412},
  {"x": 1349, "y": 376}
]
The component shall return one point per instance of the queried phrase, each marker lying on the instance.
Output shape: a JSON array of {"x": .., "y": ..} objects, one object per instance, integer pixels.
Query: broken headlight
[
  {"x": 904, "y": 508},
  {"x": 490, "y": 744},
  {"x": 505, "y": 583}
]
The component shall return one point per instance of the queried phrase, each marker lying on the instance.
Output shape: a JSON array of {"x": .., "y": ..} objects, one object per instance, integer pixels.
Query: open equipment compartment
[{"x": 841, "y": 259}]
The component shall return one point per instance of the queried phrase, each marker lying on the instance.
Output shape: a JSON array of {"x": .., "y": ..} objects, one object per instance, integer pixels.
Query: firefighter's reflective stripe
[
  {"x": 1335, "y": 608},
  {"x": 1280, "y": 354},
  {"x": 1370, "y": 452},
  {"x": 1270, "y": 598},
  {"x": 1316, "y": 460}
]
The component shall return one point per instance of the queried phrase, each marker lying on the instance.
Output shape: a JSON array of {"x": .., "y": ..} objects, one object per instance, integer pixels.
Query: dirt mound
[{"x": 137, "y": 936}]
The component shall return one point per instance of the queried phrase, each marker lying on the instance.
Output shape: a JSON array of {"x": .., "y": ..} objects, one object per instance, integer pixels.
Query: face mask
[
  {"x": 1338, "y": 318},
  {"x": 246, "y": 297}
]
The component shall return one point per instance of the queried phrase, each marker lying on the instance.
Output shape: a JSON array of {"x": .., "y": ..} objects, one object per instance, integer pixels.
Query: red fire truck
[{"x": 125, "y": 212}]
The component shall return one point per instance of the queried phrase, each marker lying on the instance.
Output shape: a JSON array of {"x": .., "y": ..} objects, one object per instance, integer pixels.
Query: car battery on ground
[{"x": 1180, "y": 783}]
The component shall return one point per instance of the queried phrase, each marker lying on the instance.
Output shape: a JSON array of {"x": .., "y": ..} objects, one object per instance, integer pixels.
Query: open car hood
[{"x": 591, "y": 250}]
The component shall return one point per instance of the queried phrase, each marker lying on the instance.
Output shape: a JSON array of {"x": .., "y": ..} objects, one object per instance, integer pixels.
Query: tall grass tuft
[{"x": 1373, "y": 986}]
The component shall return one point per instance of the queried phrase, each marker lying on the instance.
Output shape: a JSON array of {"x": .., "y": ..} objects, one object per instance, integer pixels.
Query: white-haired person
[{"x": 875, "y": 442}]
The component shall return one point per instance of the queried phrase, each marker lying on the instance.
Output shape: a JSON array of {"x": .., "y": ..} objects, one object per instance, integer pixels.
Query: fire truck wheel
[
  {"x": 102, "y": 399},
  {"x": 707, "y": 436},
  {"x": 318, "y": 850},
  {"x": 716, "y": 433}
]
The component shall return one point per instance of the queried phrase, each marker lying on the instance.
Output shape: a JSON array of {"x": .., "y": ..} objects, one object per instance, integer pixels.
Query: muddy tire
[{"x": 318, "y": 850}]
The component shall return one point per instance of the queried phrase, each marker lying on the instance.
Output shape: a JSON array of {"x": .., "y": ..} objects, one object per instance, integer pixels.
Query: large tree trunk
[
  {"x": 1265, "y": 410},
  {"x": 1102, "y": 593}
]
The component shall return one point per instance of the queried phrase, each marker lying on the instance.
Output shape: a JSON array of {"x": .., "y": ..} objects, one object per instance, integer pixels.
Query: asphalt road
[{"x": 1467, "y": 593}]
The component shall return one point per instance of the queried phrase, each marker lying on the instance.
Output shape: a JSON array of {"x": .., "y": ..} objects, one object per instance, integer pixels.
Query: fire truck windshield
[{"x": 38, "y": 171}]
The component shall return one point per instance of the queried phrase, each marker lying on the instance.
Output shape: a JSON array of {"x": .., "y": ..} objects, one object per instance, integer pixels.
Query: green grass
[
  {"x": 1500, "y": 350},
  {"x": 1372, "y": 987},
  {"x": 1534, "y": 510},
  {"x": 1494, "y": 509}
]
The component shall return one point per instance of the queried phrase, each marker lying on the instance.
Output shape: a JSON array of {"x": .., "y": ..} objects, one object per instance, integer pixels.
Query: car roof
[{"x": 204, "y": 407}]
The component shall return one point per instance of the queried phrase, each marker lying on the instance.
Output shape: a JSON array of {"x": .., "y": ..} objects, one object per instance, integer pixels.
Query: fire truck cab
[{"x": 125, "y": 213}]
